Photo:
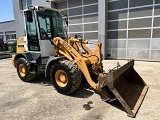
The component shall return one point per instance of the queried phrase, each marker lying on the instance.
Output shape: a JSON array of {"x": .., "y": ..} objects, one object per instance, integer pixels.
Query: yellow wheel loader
[{"x": 65, "y": 60}]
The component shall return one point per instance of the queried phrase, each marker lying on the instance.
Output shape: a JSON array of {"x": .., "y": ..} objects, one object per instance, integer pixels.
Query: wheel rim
[
  {"x": 61, "y": 78},
  {"x": 22, "y": 70}
]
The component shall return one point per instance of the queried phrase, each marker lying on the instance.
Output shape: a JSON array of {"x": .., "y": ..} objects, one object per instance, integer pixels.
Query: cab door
[
  {"x": 46, "y": 34},
  {"x": 31, "y": 38}
]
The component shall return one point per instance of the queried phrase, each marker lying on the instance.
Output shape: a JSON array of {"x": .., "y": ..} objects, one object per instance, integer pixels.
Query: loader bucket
[{"x": 127, "y": 86}]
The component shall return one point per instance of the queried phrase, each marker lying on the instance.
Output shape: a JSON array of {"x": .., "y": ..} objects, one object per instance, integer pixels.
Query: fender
[
  {"x": 52, "y": 60},
  {"x": 30, "y": 56}
]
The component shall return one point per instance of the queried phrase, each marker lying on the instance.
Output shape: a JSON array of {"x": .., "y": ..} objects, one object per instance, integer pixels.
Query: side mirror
[
  {"x": 29, "y": 16},
  {"x": 63, "y": 14}
]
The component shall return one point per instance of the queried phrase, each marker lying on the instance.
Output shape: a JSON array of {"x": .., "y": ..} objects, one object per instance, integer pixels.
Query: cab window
[{"x": 31, "y": 29}]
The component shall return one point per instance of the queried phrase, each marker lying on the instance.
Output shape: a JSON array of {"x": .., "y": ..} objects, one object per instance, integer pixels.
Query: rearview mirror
[
  {"x": 62, "y": 13},
  {"x": 29, "y": 16}
]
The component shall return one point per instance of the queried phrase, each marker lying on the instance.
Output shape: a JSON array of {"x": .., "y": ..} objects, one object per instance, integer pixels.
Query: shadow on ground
[
  {"x": 84, "y": 91},
  {"x": 40, "y": 79},
  {"x": 117, "y": 104}
]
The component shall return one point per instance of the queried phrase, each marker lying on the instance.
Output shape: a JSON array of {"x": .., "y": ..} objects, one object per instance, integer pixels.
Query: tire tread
[
  {"x": 30, "y": 76},
  {"x": 75, "y": 74}
]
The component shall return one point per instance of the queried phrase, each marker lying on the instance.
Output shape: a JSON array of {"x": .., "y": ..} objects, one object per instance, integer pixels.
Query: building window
[
  {"x": 23, "y": 4},
  {"x": 20, "y": 5},
  {"x": 1, "y": 35},
  {"x": 29, "y": 2},
  {"x": 10, "y": 35}
]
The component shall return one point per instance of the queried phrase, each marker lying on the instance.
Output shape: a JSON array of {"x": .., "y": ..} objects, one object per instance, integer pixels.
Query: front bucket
[{"x": 127, "y": 86}]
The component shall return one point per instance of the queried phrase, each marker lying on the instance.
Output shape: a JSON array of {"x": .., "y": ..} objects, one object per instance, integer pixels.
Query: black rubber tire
[
  {"x": 28, "y": 76},
  {"x": 73, "y": 74}
]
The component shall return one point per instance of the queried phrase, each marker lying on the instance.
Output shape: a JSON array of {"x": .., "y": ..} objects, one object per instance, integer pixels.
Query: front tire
[
  {"x": 66, "y": 77},
  {"x": 23, "y": 70}
]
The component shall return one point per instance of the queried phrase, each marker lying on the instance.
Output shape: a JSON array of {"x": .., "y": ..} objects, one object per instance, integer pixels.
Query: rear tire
[
  {"x": 23, "y": 70},
  {"x": 66, "y": 77}
]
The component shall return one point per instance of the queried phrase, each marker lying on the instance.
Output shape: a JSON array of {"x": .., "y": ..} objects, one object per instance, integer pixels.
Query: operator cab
[{"x": 42, "y": 25}]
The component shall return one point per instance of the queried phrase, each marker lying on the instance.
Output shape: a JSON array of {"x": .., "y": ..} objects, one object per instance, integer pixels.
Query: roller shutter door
[
  {"x": 83, "y": 18},
  {"x": 134, "y": 29}
]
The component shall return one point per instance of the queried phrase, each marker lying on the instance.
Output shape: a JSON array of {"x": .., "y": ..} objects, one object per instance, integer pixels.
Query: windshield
[{"x": 51, "y": 25}]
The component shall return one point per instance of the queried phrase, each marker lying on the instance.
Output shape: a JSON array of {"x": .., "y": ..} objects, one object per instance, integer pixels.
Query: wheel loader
[{"x": 46, "y": 47}]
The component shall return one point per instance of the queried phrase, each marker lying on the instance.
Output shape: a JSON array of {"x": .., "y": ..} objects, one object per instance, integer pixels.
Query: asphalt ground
[{"x": 37, "y": 100}]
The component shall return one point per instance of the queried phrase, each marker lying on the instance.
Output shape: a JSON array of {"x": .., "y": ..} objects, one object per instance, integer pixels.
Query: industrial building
[{"x": 126, "y": 28}]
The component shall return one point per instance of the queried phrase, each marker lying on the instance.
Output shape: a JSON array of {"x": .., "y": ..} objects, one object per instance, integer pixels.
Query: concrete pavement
[{"x": 34, "y": 100}]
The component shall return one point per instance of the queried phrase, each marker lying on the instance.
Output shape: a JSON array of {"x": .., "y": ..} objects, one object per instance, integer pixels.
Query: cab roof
[{"x": 39, "y": 8}]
